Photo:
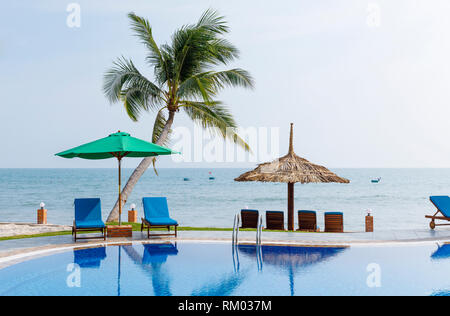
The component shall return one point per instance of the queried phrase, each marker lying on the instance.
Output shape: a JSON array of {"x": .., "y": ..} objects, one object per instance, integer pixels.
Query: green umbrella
[{"x": 118, "y": 145}]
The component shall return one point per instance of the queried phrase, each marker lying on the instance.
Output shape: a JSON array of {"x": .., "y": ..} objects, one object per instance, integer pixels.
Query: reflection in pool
[
  {"x": 290, "y": 259},
  {"x": 89, "y": 257},
  {"x": 443, "y": 252},
  {"x": 219, "y": 269}
]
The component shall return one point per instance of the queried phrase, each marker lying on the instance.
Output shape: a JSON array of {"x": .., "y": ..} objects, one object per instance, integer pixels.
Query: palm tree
[{"x": 184, "y": 79}]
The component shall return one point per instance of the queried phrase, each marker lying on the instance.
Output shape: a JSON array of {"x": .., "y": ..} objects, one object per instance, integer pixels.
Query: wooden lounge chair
[
  {"x": 88, "y": 218},
  {"x": 334, "y": 222},
  {"x": 274, "y": 220},
  {"x": 307, "y": 221},
  {"x": 442, "y": 204},
  {"x": 249, "y": 218},
  {"x": 156, "y": 214}
]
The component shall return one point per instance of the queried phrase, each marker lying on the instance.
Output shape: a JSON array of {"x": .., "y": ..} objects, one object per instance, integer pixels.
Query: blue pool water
[
  {"x": 399, "y": 201},
  {"x": 214, "y": 269}
]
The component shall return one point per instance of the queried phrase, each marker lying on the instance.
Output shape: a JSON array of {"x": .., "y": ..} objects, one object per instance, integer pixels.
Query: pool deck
[{"x": 14, "y": 251}]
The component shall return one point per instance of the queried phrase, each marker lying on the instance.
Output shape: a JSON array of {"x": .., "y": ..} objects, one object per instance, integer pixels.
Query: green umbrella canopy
[{"x": 117, "y": 145}]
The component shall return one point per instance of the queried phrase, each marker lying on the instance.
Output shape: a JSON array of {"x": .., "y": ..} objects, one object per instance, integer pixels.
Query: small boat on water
[
  {"x": 186, "y": 179},
  {"x": 212, "y": 178},
  {"x": 376, "y": 180}
]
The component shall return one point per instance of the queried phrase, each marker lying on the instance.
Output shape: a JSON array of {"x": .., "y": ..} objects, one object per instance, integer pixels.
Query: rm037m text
[{"x": 246, "y": 305}]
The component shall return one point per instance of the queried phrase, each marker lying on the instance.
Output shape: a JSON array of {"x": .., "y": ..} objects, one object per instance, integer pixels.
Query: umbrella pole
[
  {"x": 120, "y": 191},
  {"x": 291, "y": 206}
]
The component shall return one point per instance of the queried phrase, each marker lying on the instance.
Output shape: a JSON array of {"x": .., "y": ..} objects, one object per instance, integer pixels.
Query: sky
[{"x": 366, "y": 83}]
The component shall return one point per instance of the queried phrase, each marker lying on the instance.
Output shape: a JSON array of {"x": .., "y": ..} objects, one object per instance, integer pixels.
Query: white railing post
[
  {"x": 259, "y": 259},
  {"x": 259, "y": 230},
  {"x": 236, "y": 225}
]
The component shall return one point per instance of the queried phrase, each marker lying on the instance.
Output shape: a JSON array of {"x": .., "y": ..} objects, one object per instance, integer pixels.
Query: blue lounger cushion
[
  {"x": 308, "y": 212},
  {"x": 252, "y": 211},
  {"x": 156, "y": 211},
  {"x": 442, "y": 203},
  {"x": 275, "y": 212},
  {"x": 334, "y": 213},
  {"x": 91, "y": 224},
  {"x": 163, "y": 221},
  {"x": 88, "y": 213}
]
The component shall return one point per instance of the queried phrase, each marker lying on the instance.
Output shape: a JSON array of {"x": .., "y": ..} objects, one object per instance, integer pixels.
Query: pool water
[{"x": 203, "y": 269}]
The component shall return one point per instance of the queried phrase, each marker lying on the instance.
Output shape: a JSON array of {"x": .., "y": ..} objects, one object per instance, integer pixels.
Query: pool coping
[{"x": 15, "y": 256}]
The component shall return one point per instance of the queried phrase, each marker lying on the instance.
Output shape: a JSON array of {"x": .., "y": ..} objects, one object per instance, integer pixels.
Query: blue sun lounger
[
  {"x": 442, "y": 203},
  {"x": 88, "y": 217},
  {"x": 156, "y": 214}
]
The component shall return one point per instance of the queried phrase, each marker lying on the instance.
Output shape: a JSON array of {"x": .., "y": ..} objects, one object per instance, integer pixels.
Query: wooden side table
[
  {"x": 132, "y": 216},
  {"x": 369, "y": 224},
  {"x": 42, "y": 216},
  {"x": 120, "y": 231}
]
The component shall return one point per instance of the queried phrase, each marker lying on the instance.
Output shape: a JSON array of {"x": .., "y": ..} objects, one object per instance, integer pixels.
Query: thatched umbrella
[{"x": 291, "y": 169}]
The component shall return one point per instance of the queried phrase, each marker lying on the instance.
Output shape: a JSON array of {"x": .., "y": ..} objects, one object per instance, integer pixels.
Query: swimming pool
[{"x": 204, "y": 269}]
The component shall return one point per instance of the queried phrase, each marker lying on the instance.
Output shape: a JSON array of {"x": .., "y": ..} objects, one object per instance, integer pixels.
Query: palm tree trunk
[{"x": 139, "y": 171}]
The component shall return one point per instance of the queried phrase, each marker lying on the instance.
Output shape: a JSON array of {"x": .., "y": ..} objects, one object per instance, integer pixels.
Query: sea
[{"x": 398, "y": 202}]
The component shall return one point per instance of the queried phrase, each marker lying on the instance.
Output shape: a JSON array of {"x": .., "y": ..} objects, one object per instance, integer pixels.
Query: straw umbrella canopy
[
  {"x": 291, "y": 169},
  {"x": 118, "y": 145}
]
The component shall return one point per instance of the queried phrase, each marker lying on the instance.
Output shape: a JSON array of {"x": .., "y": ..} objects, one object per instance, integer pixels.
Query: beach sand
[{"x": 16, "y": 229}]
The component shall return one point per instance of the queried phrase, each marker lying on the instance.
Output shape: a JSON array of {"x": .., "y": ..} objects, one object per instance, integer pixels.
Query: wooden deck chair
[
  {"x": 442, "y": 204},
  {"x": 274, "y": 220},
  {"x": 88, "y": 218},
  {"x": 307, "y": 221},
  {"x": 156, "y": 215},
  {"x": 334, "y": 222},
  {"x": 249, "y": 218}
]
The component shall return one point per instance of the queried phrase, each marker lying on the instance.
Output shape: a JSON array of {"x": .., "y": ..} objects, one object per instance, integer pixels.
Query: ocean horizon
[{"x": 399, "y": 201}]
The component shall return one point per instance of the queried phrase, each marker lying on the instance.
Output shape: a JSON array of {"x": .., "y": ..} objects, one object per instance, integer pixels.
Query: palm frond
[
  {"x": 231, "y": 78},
  {"x": 134, "y": 103},
  {"x": 197, "y": 48},
  {"x": 206, "y": 85},
  {"x": 154, "y": 166},
  {"x": 213, "y": 22},
  {"x": 190, "y": 49},
  {"x": 123, "y": 82},
  {"x": 144, "y": 32},
  {"x": 167, "y": 75},
  {"x": 221, "y": 51},
  {"x": 216, "y": 118},
  {"x": 198, "y": 87},
  {"x": 158, "y": 127}
]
